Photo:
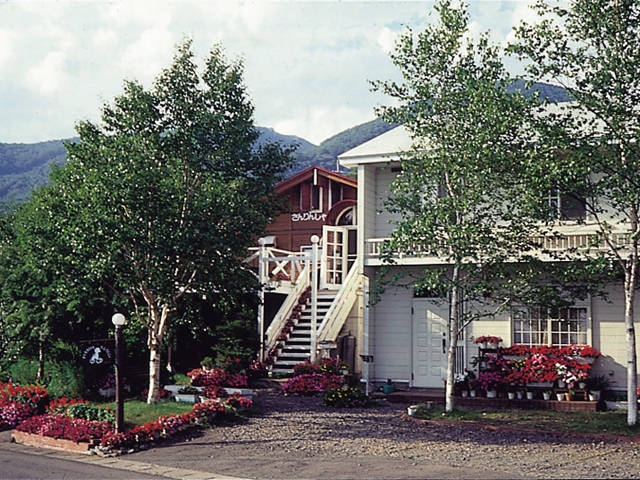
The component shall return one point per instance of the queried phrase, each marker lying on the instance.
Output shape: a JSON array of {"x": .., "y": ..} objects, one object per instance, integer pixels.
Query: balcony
[{"x": 549, "y": 247}]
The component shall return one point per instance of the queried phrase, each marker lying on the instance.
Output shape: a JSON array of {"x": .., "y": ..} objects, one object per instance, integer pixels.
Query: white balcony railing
[{"x": 590, "y": 241}]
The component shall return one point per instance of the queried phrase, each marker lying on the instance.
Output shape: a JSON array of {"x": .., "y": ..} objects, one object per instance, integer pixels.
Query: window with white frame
[
  {"x": 543, "y": 326},
  {"x": 566, "y": 206}
]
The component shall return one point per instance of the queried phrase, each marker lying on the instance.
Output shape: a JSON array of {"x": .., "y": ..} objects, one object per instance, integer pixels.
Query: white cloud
[
  {"x": 306, "y": 62},
  {"x": 387, "y": 39},
  {"x": 317, "y": 122},
  {"x": 6, "y": 46},
  {"x": 49, "y": 76}
]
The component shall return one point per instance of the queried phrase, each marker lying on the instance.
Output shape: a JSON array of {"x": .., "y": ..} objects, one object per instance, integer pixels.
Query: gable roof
[
  {"x": 310, "y": 172},
  {"x": 385, "y": 147}
]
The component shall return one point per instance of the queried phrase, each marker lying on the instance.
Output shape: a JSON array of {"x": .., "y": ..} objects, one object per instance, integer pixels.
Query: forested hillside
[{"x": 25, "y": 166}]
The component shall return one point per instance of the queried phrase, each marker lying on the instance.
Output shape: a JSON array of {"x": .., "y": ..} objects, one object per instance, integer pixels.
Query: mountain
[{"x": 26, "y": 166}]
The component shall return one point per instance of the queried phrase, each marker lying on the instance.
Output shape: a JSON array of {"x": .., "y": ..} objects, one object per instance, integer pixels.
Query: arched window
[{"x": 347, "y": 218}]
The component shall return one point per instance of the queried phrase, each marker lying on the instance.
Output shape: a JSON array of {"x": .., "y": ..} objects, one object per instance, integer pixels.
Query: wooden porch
[{"x": 436, "y": 395}]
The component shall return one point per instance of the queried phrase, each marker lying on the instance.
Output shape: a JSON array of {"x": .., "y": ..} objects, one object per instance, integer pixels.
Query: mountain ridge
[{"x": 25, "y": 166}]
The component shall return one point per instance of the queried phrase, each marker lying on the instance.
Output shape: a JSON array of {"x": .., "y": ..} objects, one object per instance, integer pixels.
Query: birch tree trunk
[
  {"x": 454, "y": 320},
  {"x": 157, "y": 323},
  {"x": 632, "y": 367}
]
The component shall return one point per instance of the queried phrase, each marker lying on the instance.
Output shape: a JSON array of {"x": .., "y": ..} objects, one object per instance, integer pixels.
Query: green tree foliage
[
  {"x": 160, "y": 200},
  {"x": 592, "y": 48},
  {"x": 457, "y": 197},
  {"x": 40, "y": 301}
]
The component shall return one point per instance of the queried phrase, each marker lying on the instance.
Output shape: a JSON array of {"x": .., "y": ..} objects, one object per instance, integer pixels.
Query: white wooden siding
[
  {"x": 384, "y": 221},
  {"x": 391, "y": 322}
]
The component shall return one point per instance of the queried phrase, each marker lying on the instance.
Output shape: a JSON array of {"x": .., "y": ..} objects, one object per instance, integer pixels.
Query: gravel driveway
[{"x": 298, "y": 438}]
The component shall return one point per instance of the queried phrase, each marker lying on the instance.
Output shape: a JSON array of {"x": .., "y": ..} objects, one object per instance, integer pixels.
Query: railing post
[
  {"x": 314, "y": 296},
  {"x": 261, "y": 276}
]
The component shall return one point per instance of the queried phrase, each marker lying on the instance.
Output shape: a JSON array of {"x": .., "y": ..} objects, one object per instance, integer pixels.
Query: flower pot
[
  {"x": 483, "y": 344},
  {"x": 568, "y": 396},
  {"x": 492, "y": 393},
  {"x": 388, "y": 388},
  {"x": 560, "y": 396},
  {"x": 464, "y": 393},
  {"x": 472, "y": 393},
  {"x": 529, "y": 395},
  {"x": 519, "y": 395},
  {"x": 412, "y": 410},
  {"x": 596, "y": 395},
  {"x": 582, "y": 385},
  {"x": 511, "y": 395},
  {"x": 561, "y": 384},
  {"x": 546, "y": 396}
]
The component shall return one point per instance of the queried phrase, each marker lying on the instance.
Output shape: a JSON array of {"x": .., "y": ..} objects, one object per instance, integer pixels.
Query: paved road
[{"x": 23, "y": 462}]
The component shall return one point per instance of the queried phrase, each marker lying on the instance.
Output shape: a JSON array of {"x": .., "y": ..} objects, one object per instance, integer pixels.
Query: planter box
[
  {"x": 540, "y": 385},
  {"x": 186, "y": 398},
  {"x": 107, "y": 392},
  {"x": 173, "y": 389},
  {"x": 245, "y": 392},
  {"x": 41, "y": 441}
]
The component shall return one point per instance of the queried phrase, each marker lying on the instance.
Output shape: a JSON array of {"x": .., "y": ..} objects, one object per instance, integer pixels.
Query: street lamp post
[{"x": 118, "y": 321}]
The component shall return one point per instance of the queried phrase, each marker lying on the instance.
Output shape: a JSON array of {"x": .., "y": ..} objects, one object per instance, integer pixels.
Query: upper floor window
[
  {"x": 335, "y": 192},
  {"x": 310, "y": 198},
  {"x": 315, "y": 198},
  {"x": 543, "y": 326},
  {"x": 566, "y": 206}
]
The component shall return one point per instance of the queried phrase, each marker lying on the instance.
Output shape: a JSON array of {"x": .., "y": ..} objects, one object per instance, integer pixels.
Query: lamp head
[{"x": 118, "y": 319}]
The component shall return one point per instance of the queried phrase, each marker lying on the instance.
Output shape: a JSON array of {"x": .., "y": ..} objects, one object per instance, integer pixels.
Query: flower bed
[
  {"x": 17, "y": 403},
  {"x": 522, "y": 365},
  {"x": 313, "y": 378},
  {"x": 77, "y": 434}
]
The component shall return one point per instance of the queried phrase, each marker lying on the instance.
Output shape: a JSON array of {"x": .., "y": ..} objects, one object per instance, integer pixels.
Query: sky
[{"x": 307, "y": 64}]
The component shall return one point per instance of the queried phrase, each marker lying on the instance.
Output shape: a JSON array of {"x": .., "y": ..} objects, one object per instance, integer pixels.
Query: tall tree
[
  {"x": 162, "y": 198},
  {"x": 40, "y": 307},
  {"x": 458, "y": 194},
  {"x": 592, "y": 48}
]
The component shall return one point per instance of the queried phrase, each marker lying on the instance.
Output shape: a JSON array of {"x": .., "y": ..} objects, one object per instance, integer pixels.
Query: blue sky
[{"x": 307, "y": 63}]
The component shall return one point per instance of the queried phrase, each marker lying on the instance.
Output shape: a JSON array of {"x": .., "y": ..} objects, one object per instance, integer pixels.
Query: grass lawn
[
  {"x": 614, "y": 422},
  {"x": 137, "y": 412}
]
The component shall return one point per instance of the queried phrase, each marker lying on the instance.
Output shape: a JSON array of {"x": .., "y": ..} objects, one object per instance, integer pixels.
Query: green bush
[
  {"x": 24, "y": 371},
  {"x": 86, "y": 411},
  {"x": 64, "y": 379},
  {"x": 346, "y": 397}
]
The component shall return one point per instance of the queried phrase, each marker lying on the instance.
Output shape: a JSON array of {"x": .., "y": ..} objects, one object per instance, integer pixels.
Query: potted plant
[
  {"x": 546, "y": 395},
  {"x": 596, "y": 385},
  {"x": 489, "y": 381},
  {"x": 187, "y": 394}
]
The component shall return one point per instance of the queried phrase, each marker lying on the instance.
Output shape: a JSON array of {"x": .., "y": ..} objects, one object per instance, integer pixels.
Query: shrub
[
  {"x": 24, "y": 371},
  {"x": 346, "y": 397},
  {"x": 216, "y": 377},
  {"x": 65, "y": 379},
  {"x": 61, "y": 426},
  {"x": 311, "y": 383},
  {"x": 81, "y": 409}
]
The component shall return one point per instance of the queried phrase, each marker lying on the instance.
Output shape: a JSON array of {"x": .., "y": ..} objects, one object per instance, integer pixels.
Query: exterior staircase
[{"x": 297, "y": 347}]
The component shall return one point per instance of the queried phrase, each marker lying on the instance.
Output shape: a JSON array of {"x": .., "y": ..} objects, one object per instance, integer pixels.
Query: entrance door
[
  {"x": 335, "y": 257},
  {"x": 430, "y": 318}
]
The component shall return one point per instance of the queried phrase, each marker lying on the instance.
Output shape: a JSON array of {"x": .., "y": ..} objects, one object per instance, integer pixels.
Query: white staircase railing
[
  {"x": 286, "y": 309},
  {"x": 346, "y": 297},
  {"x": 281, "y": 264}
]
